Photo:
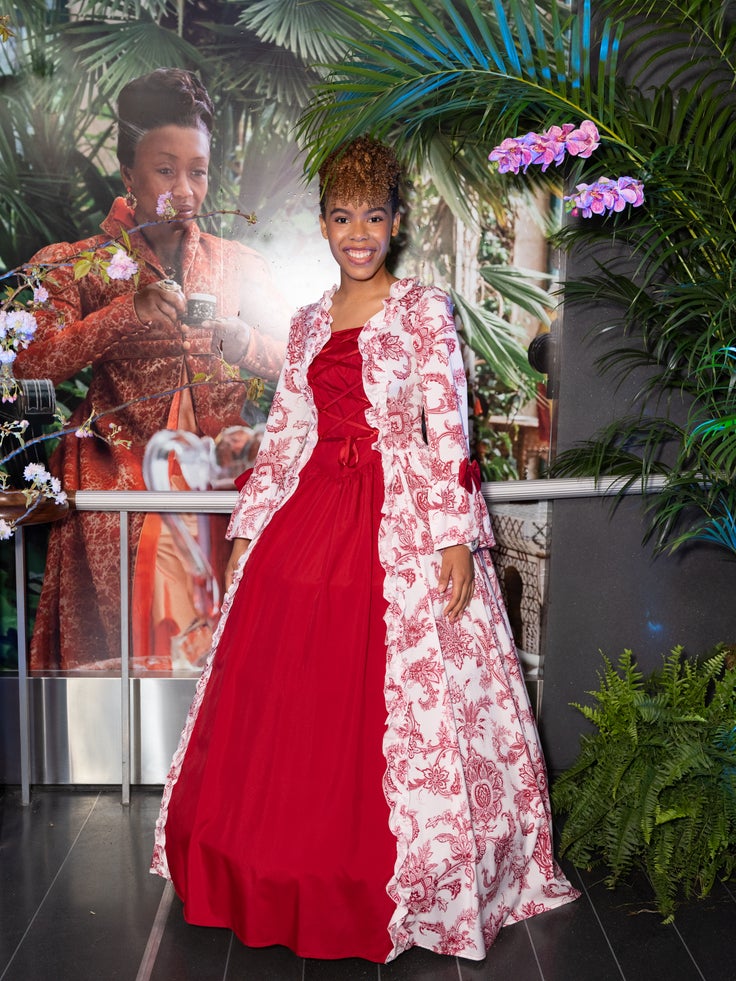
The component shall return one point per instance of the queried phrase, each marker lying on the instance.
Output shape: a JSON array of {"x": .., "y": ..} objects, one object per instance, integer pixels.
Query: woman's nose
[{"x": 181, "y": 186}]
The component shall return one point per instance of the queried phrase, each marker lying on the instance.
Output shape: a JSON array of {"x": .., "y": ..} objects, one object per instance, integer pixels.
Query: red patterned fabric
[
  {"x": 463, "y": 772},
  {"x": 78, "y": 617}
]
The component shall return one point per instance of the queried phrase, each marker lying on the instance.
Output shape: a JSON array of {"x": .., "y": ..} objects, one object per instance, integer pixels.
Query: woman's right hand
[
  {"x": 240, "y": 547},
  {"x": 157, "y": 306}
]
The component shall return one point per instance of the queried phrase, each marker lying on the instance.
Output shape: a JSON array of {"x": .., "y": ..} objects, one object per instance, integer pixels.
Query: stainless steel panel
[{"x": 76, "y": 731}]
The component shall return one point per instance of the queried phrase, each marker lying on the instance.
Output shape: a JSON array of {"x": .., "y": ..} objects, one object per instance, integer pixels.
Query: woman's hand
[
  {"x": 458, "y": 570},
  {"x": 240, "y": 547},
  {"x": 230, "y": 337},
  {"x": 157, "y": 306}
]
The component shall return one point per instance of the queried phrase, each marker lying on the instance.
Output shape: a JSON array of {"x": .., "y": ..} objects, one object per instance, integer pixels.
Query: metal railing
[{"x": 220, "y": 502}]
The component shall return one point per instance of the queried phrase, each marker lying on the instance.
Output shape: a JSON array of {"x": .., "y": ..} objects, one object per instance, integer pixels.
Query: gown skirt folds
[{"x": 277, "y": 826}]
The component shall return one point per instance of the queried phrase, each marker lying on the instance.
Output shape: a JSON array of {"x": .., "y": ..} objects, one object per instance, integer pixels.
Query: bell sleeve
[{"x": 457, "y": 512}]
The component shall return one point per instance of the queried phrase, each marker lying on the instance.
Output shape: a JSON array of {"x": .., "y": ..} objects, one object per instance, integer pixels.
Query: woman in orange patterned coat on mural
[{"x": 135, "y": 337}]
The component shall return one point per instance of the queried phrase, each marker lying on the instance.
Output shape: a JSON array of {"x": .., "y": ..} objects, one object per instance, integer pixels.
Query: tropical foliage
[
  {"x": 654, "y": 788},
  {"x": 64, "y": 64},
  {"x": 450, "y": 79}
]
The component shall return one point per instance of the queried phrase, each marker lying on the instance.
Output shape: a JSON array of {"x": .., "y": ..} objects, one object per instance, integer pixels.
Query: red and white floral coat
[{"x": 465, "y": 778}]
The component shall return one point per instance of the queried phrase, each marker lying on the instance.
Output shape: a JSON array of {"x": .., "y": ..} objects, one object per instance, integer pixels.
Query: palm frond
[
  {"x": 297, "y": 26},
  {"x": 501, "y": 345},
  {"x": 419, "y": 73},
  {"x": 125, "y": 49},
  {"x": 517, "y": 286}
]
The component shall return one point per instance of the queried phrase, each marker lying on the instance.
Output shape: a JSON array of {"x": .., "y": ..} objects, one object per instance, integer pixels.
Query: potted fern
[{"x": 654, "y": 787}]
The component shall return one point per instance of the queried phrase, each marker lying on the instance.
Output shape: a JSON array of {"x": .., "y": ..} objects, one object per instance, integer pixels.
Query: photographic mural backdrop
[{"x": 61, "y": 71}]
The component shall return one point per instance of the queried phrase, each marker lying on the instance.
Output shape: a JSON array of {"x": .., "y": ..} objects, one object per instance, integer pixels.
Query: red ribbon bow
[
  {"x": 348, "y": 455},
  {"x": 470, "y": 475}
]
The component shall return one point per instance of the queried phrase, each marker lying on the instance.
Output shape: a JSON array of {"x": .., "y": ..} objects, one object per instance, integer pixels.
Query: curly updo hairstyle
[
  {"x": 362, "y": 171},
  {"x": 164, "y": 97}
]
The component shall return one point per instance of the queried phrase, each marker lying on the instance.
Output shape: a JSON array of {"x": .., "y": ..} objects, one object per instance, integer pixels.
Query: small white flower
[
  {"x": 121, "y": 266},
  {"x": 21, "y": 326},
  {"x": 6, "y": 530},
  {"x": 35, "y": 471}
]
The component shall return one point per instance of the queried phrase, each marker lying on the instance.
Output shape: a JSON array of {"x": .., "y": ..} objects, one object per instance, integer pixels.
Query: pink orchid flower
[
  {"x": 583, "y": 141},
  {"x": 605, "y": 196},
  {"x": 510, "y": 156},
  {"x": 631, "y": 191},
  {"x": 548, "y": 147}
]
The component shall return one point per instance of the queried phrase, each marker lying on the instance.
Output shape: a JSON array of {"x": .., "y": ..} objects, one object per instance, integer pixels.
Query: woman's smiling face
[{"x": 359, "y": 236}]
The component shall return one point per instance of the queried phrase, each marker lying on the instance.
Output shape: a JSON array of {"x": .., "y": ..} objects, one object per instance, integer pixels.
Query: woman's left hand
[
  {"x": 230, "y": 337},
  {"x": 457, "y": 570}
]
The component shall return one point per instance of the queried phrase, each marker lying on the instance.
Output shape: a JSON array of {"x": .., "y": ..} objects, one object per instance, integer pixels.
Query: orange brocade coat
[{"x": 136, "y": 372}]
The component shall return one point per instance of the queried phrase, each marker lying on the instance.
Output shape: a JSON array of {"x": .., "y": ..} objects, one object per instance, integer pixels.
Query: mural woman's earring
[{"x": 130, "y": 200}]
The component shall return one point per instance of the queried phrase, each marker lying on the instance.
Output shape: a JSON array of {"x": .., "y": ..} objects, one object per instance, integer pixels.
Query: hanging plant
[{"x": 654, "y": 789}]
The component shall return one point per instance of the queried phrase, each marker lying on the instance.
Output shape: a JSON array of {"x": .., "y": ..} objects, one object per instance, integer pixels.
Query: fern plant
[{"x": 654, "y": 789}]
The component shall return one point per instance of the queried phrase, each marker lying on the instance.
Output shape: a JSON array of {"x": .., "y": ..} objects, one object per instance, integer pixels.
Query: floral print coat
[{"x": 465, "y": 779}]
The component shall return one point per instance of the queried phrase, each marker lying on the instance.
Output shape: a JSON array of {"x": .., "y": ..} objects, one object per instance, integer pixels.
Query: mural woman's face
[{"x": 173, "y": 160}]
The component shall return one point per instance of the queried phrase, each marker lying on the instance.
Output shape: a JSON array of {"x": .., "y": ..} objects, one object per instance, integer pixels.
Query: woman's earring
[{"x": 130, "y": 200}]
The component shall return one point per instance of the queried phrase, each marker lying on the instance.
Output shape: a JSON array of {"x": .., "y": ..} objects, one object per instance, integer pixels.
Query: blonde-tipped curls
[{"x": 362, "y": 171}]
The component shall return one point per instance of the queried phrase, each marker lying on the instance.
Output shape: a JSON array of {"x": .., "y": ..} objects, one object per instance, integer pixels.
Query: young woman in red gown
[{"x": 360, "y": 771}]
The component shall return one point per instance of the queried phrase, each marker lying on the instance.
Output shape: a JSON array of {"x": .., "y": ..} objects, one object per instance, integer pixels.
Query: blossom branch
[{"x": 254, "y": 389}]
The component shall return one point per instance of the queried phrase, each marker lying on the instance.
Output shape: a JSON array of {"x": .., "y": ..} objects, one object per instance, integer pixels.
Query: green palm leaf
[
  {"x": 296, "y": 26},
  {"x": 499, "y": 343},
  {"x": 419, "y": 73}
]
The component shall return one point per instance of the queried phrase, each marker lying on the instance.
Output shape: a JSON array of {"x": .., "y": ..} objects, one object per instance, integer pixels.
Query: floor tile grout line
[
  {"x": 459, "y": 969},
  {"x": 689, "y": 952},
  {"x": 681, "y": 938},
  {"x": 145, "y": 968},
  {"x": 534, "y": 949},
  {"x": 51, "y": 886},
  {"x": 584, "y": 888},
  {"x": 227, "y": 959}
]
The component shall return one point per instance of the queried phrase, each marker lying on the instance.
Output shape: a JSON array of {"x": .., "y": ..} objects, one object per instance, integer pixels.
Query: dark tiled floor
[{"x": 77, "y": 904}]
